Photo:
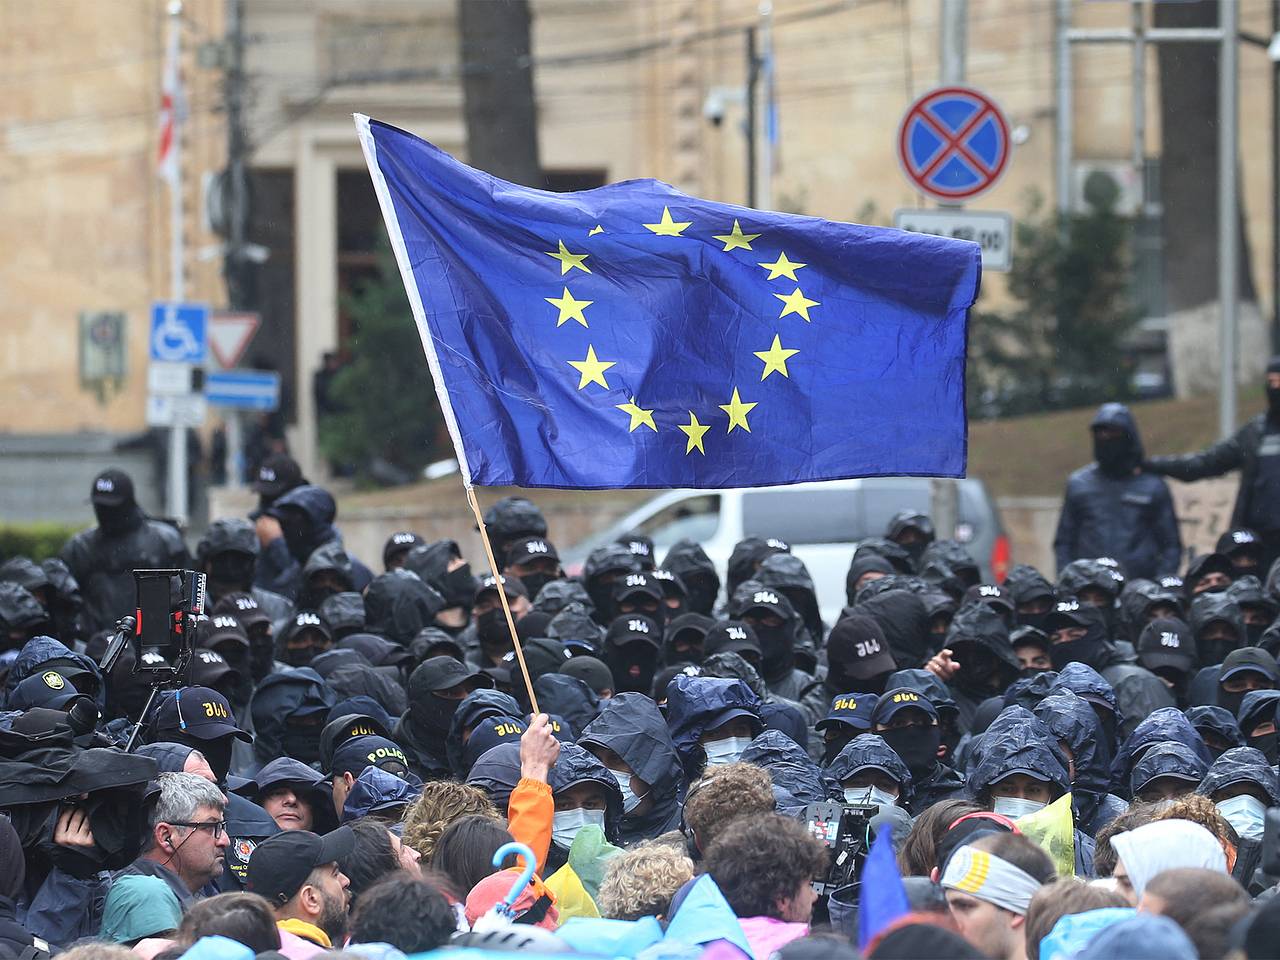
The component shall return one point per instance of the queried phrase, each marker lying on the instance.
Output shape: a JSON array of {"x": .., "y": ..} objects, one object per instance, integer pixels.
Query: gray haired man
[{"x": 186, "y": 836}]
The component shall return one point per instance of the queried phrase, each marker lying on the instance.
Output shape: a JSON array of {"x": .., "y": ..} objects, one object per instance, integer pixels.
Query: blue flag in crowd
[
  {"x": 881, "y": 898},
  {"x": 632, "y": 336}
]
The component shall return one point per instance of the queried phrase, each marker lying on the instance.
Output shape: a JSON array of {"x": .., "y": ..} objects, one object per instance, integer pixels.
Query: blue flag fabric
[
  {"x": 881, "y": 898},
  {"x": 633, "y": 336}
]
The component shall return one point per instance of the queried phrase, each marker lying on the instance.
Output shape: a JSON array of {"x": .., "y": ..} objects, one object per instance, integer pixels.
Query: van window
[
  {"x": 696, "y": 518},
  {"x": 882, "y": 499},
  {"x": 802, "y": 516}
]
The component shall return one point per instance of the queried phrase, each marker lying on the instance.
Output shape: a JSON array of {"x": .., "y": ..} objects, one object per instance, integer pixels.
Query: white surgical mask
[
  {"x": 1015, "y": 807},
  {"x": 565, "y": 824},
  {"x": 875, "y": 795},
  {"x": 724, "y": 751},
  {"x": 1245, "y": 814},
  {"x": 629, "y": 799}
]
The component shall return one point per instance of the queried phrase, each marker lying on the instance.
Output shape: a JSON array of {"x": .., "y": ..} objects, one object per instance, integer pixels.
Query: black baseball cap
[
  {"x": 1027, "y": 635},
  {"x": 281, "y": 864},
  {"x": 990, "y": 594},
  {"x": 278, "y": 474},
  {"x": 1167, "y": 643},
  {"x": 220, "y": 628},
  {"x": 357, "y": 753},
  {"x": 858, "y": 644},
  {"x": 1067, "y": 613},
  {"x": 731, "y": 636},
  {"x": 244, "y": 607},
  {"x": 895, "y": 701},
  {"x": 402, "y": 541},
  {"x": 594, "y": 673},
  {"x": 851, "y": 709},
  {"x": 633, "y": 628},
  {"x": 637, "y": 583},
  {"x": 111, "y": 488},
  {"x": 512, "y": 586},
  {"x": 442, "y": 673},
  {"x": 1250, "y": 660},
  {"x": 200, "y": 712},
  {"x": 531, "y": 548}
]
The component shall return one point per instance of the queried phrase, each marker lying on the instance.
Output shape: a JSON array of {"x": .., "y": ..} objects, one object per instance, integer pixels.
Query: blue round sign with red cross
[{"x": 954, "y": 143}]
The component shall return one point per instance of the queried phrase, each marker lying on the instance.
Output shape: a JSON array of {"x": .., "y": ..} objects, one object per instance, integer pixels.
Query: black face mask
[
  {"x": 433, "y": 714},
  {"x": 632, "y": 666},
  {"x": 832, "y": 748},
  {"x": 231, "y": 572},
  {"x": 1086, "y": 650},
  {"x": 311, "y": 596},
  {"x": 1273, "y": 404},
  {"x": 459, "y": 587},
  {"x": 602, "y": 596},
  {"x": 777, "y": 649},
  {"x": 300, "y": 656},
  {"x": 493, "y": 634},
  {"x": 262, "y": 654},
  {"x": 1267, "y": 744},
  {"x": 115, "y": 521},
  {"x": 1229, "y": 701},
  {"x": 536, "y": 581},
  {"x": 1037, "y": 620},
  {"x": 1116, "y": 457},
  {"x": 840, "y": 682},
  {"x": 217, "y": 751},
  {"x": 1027, "y": 672},
  {"x": 1215, "y": 651},
  {"x": 1253, "y": 633},
  {"x": 916, "y": 746},
  {"x": 702, "y": 594},
  {"x": 915, "y": 551},
  {"x": 301, "y": 743}
]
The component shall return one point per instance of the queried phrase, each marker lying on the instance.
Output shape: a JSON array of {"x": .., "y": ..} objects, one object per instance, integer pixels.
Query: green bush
[{"x": 34, "y": 540}]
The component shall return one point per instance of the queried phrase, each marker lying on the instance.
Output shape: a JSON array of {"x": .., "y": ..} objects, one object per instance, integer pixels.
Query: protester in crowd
[
  {"x": 1060, "y": 898},
  {"x": 298, "y": 873},
  {"x": 642, "y": 881},
  {"x": 245, "y": 918},
  {"x": 989, "y": 884},
  {"x": 1153, "y": 848},
  {"x": 186, "y": 837},
  {"x": 404, "y": 911}
]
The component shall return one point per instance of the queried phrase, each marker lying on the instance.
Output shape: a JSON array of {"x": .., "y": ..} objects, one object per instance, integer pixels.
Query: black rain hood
[
  {"x": 379, "y": 651},
  {"x": 787, "y": 574},
  {"x": 344, "y": 613},
  {"x": 398, "y": 605},
  {"x": 860, "y": 567},
  {"x": 45, "y": 653},
  {"x": 1087, "y": 683},
  {"x": 632, "y": 726},
  {"x": 1136, "y": 601},
  {"x": 306, "y": 515},
  {"x": 797, "y": 780},
  {"x": 777, "y": 644},
  {"x": 568, "y": 698},
  {"x": 688, "y": 561},
  {"x": 1166, "y": 760},
  {"x": 949, "y": 564},
  {"x": 695, "y": 705},
  {"x": 610, "y": 559},
  {"x": 476, "y": 706},
  {"x": 1079, "y": 574},
  {"x": 379, "y": 683},
  {"x": 1094, "y": 648},
  {"x": 1120, "y": 457},
  {"x": 497, "y": 772},
  {"x": 575, "y": 766},
  {"x": 928, "y": 685},
  {"x": 20, "y": 611},
  {"x": 1029, "y": 691},
  {"x": 748, "y": 553},
  {"x": 1016, "y": 742},
  {"x": 869, "y": 750},
  {"x": 1209, "y": 608},
  {"x": 575, "y": 626},
  {"x": 1241, "y": 765},
  {"x": 1216, "y": 720},
  {"x": 558, "y": 595},
  {"x": 1166, "y": 725},
  {"x": 905, "y": 622},
  {"x": 979, "y": 639},
  {"x": 896, "y": 554},
  {"x": 284, "y": 696},
  {"x": 1071, "y": 719}
]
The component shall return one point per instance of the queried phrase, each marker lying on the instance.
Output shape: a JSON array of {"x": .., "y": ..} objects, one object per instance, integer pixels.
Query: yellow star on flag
[
  {"x": 694, "y": 431},
  {"x": 569, "y": 260},
  {"x": 570, "y": 309},
  {"x": 782, "y": 267},
  {"x": 594, "y": 230},
  {"x": 737, "y": 411},
  {"x": 775, "y": 358},
  {"x": 592, "y": 369},
  {"x": 736, "y": 238},
  {"x": 638, "y": 416},
  {"x": 796, "y": 302},
  {"x": 666, "y": 227}
]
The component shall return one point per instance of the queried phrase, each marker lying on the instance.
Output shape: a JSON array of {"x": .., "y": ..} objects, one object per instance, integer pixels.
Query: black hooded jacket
[
  {"x": 688, "y": 561},
  {"x": 1073, "y": 721},
  {"x": 103, "y": 564},
  {"x": 285, "y": 695},
  {"x": 905, "y": 621},
  {"x": 399, "y": 604},
  {"x": 306, "y": 515},
  {"x": 632, "y": 727},
  {"x": 797, "y": 780},
  {"x": 979, "y": 640},
  {"x": 476, "y": 706},
  {"x": 1113, "y": 509}
]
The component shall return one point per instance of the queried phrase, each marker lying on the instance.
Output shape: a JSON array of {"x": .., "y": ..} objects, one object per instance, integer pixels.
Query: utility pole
[
  {"x": 176, "y": 486},
  {"x": 765, "y": 187},
  {"x": 944, "y": 493},
  {"x": 1228, "y": 204},
  {"x": 235, "y": 264},
  {"x": 753, "y": 83}
]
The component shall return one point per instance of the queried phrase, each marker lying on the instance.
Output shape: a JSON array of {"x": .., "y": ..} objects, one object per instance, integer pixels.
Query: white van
[{"x": 821, "y": 521}]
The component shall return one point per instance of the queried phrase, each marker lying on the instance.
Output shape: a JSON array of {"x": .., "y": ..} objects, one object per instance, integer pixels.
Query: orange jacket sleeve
[{"x": 529, "y": 814}]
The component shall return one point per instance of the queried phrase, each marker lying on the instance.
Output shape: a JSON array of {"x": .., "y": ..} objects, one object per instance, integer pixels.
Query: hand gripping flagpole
[{"x": 502, "y": 595}]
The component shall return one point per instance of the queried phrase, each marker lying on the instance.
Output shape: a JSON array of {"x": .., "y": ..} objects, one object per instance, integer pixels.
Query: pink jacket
[
  {"x": 296, "y": 948},
  {"x": 767, "y": 936}
]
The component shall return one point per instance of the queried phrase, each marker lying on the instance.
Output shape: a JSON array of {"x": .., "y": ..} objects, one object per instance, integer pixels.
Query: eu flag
[{"x": 633, "y": 336}]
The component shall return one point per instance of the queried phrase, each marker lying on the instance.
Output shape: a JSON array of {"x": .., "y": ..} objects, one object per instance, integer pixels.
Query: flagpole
[
  {"x": 502, "y": 595},
  {"x": 176, "y": 492}
]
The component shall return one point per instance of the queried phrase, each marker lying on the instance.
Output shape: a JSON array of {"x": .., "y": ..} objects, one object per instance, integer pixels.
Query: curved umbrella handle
[{"x": 526, "y": 874}]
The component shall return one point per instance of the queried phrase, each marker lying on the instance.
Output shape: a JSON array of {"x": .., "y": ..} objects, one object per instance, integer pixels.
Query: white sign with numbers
[{"x": 993, "y": 231}]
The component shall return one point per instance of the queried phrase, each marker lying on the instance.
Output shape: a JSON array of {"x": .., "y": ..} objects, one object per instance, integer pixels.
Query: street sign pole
[
  {"x": 176, "y": 487},
  {"x": 952, "y": 36}
]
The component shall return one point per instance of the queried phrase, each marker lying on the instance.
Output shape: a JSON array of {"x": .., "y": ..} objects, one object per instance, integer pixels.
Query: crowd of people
[{"x": 1070, "y": 767}]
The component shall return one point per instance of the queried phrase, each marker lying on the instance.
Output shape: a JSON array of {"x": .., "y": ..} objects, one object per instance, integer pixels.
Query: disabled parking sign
[
  {"x": 179, "y": 332},
  {"x": 953, "y": 143}
]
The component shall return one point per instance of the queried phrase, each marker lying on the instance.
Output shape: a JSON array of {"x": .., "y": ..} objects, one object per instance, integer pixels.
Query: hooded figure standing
[
  {"x": 103, "y": 558},
  {"x": 1112, "y": 508}
]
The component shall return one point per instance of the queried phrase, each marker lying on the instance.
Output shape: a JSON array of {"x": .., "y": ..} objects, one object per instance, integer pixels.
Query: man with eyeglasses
[{"x": 187, "y": 836}]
